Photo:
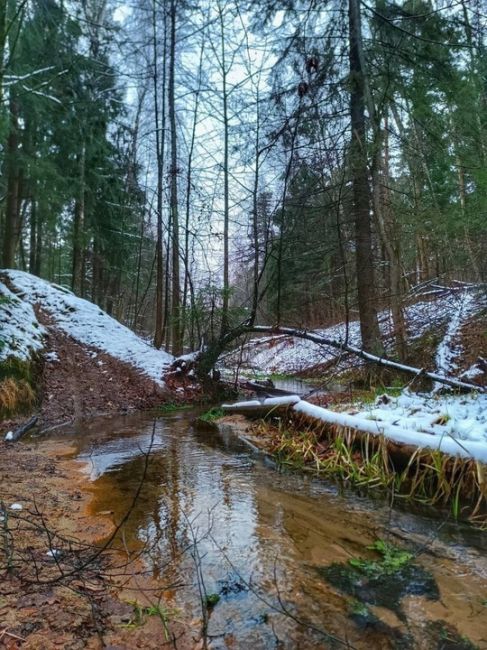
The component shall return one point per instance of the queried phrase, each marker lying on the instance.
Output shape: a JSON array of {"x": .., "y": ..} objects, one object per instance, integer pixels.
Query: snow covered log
[
  {"x": 445, "y": 443},
  {"x": 456, "y": 426},
  {"x": 367, "y": 356},
  {"x": 276, "y": 406}
]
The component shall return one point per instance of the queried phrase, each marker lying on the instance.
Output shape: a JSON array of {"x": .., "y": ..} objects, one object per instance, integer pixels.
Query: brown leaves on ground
[{"x": 83, "y": 382}]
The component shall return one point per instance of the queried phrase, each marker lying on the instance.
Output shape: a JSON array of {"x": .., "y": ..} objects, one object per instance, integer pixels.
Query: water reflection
[{"x": 260, "y": 535}]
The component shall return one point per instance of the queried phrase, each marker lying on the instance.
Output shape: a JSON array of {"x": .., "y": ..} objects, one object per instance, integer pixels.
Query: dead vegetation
[
  {"x": 371, "y": 462},
  {"x": 16, "y": 397}
]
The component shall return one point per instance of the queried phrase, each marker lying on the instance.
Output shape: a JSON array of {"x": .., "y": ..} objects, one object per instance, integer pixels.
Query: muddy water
[{"x": 263, "y": 539}]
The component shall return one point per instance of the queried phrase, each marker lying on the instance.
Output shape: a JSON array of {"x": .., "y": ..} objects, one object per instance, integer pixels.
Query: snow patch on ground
[
  {"x": 89, "y": 325},
  {"x": 462, "y": 417},
  {"x": 448, "y": 350},
  {"x": 284, "y": 354},
  {"x": 21, "y": 335},
  {"x": 454, "y": 425}
]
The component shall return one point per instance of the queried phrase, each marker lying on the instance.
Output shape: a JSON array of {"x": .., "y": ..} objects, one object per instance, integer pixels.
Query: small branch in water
[{"x": 13, "y": 436}]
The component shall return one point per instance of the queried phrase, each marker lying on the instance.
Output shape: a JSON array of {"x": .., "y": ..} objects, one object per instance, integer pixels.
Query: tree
[{"x": 367, "y": 300}]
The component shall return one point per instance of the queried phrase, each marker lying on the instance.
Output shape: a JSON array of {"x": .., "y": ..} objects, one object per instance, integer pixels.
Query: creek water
[{"x": 214, "y": 517}]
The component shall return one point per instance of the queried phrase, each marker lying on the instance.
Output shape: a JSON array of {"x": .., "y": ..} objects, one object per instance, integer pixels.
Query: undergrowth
[
  {"x": 212, "y": 415},
  {"x": 16, "y": 396},
  {"x": 17, "y": 386},
  {"x": 371, "y": 462}
]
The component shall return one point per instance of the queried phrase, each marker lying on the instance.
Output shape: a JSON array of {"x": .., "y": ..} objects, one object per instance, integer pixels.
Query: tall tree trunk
[
  {"x": 39, "y": 243},
  {"x": 466, "y": 229},
  {"x": 33, "y": 235},
  {"x": 12, "y": 216},
  {"x": 3, "y": 43},
  {"x": 187, "y": 270},
  {"x": 367, "y": 300},
  {"x": 177, "y": 343},
  {"x": 388, "y": 233},
  {"x": 226, "y": 201},
  {"x": 160, "y": 140},
  {"x": 78, "y": 228}
]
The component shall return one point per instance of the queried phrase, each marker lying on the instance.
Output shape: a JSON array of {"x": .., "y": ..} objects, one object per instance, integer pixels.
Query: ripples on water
[{"x": 261, "y": 536}]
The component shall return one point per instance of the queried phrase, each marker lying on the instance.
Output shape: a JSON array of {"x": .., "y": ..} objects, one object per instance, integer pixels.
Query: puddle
[{"x": 265, "y": 541}]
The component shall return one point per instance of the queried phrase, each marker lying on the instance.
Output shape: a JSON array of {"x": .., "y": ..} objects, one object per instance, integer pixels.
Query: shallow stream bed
[{"x": 212, "y": 517}]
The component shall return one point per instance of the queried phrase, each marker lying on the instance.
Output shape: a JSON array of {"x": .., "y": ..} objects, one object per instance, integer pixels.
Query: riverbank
[
  {"x": 250, "y": 521},
  {"x": 60, "y": 586},
  {"x": 426, "y": 449}
]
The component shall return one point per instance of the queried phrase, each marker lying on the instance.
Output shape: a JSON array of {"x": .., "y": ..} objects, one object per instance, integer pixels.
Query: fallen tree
[
  {"x": 208, "y": 357},
  {"x": 418, "y": 464}
]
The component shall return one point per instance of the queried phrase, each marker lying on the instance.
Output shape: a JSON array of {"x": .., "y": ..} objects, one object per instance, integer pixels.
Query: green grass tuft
[{"x": 213, "y": 414}]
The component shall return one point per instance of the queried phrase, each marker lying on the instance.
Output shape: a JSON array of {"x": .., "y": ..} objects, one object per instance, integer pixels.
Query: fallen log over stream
[
  {"x": 367, "y": 356},
  {"x": 279, "y": 406},
  {"x": 434, "y": 469},
  {"x": 275, "y": 406}
]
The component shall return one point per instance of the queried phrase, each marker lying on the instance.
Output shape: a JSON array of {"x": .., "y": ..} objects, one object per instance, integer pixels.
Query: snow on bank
[
  {"x": 21, "y": 336},
  {"x": 452, "y": 441},
  {"x": 448, "y": 350},
  {"x": 88, "y": 324},
  {"x": 284, "y": 354},
  {"x": 455, "y": 425}
]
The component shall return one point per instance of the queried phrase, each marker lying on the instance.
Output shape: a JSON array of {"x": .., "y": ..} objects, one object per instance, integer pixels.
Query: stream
[{"x": 212, "y": 516}]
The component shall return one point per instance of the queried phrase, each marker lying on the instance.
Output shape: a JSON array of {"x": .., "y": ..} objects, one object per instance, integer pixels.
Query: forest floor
[
  {"x": 46, "y": 601},
  {"x": 79, "y": 381},
  {"x": 58, "y": 590}
]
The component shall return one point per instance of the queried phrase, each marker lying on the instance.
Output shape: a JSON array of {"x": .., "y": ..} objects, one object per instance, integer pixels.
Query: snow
[
  {"x": 285, "y": 354},
  {"x": 456, "y": 425},
  {"x": 472, "y": 372},
  {"x": 447, "y": 351},
  {"x": 89, "y": 325},
  {"x": 9, "y": 436},
  {"x": 269, "y": 401},
  {"x": 16, "y": 506},
  {"x": 21, "y": 336}
]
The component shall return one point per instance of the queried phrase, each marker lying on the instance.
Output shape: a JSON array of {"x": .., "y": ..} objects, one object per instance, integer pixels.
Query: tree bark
[
  {"x": 367, "y": 300},
  {"x": 12, "y": 216},
  {"x": 78, "y": 228},
  {"x": 177, "y": 343},
  {"x": 160, "y": 140},
  {"x": 225, "y": 324}
]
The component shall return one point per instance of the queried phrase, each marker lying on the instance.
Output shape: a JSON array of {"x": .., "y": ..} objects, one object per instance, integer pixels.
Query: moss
[
  {"x": 212, "y": 600},
  {"x": 384, "y": 581},
  {"x": 393, "y": 560},
  {"x": 16, "y": 369}
]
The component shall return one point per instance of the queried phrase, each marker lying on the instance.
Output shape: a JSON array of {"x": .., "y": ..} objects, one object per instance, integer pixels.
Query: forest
[
  {"x": 188, "y": 167},
  {"x": 243, "y": 324}
]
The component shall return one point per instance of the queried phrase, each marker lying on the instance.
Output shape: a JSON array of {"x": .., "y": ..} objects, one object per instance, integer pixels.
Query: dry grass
[
  {"x": 16, "y": 396},
  {"x": 372, "y": 462}
]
